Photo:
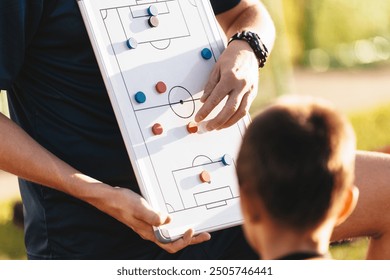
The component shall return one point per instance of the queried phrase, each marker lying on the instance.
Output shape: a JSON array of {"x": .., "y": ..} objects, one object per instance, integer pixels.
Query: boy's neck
[{"x": 277, "y": 243}]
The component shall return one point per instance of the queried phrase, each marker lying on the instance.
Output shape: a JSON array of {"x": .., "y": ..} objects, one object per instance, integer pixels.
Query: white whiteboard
[{"x": 141, "y": 44}]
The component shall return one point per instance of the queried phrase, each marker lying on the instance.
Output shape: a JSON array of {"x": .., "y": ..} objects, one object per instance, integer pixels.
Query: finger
[
  {"x": 201, "y": 237},
  {"x": 144, "y": 230},
  {"x": 216, "y": 96},
  {"x": 144, "y": 212},
  {"x": 187, "y": 239},
  {"x": 241, "y": 112},
  {"x": 211, "y": 84},
  {"x": 229, "y": 110},
  {"x": 190, "y": 239},
  {"x": 178, "y": 244}
]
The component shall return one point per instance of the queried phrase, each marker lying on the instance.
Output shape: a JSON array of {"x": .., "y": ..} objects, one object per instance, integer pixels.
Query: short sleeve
[
  {"x": 220, "y": 6},
  {"x": 18, "y": 22}
]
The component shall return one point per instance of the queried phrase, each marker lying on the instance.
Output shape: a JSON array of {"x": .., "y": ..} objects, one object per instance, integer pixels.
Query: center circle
[{"x": 181, "y": 101}]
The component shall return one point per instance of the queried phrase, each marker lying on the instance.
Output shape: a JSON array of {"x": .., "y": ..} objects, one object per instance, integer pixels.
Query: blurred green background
[
  {"x": 324, "y": 35},
  {"x": 337, "y": 49}
]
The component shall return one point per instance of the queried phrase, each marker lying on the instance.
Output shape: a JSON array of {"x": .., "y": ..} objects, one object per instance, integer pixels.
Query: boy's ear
[
  {"x": 349, "y": 204},
  {"x": 250, "y": 207}
]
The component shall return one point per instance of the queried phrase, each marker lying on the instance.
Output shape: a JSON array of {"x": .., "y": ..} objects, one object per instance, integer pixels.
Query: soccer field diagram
[{"x": 156, "y": 57}]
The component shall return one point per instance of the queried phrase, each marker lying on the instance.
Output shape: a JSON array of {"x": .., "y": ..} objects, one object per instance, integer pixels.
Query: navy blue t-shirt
[{"x": 57, "y": 95}]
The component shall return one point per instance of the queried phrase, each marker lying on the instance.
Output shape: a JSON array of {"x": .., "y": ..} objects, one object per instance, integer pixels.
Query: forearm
[
  {"x": 249, "y": 15},
  {"x": 373, "y": 180},
  {"x": 24, "y": 157},
  {"x": 371, "y": 216},
  {"x": 373, "y": 170}
]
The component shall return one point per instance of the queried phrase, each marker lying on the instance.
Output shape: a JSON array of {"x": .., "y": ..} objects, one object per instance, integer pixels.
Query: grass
[
  {"x": 350, "y": 250},
  {"x": 11, "y": 236},
  {"x": 3, "y": 103},
  {"x": 372, "y": 128}
]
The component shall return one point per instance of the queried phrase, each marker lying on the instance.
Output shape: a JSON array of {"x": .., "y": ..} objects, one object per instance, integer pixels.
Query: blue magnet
[
  {"x": 140, "y": 97},
  {"x": 206, "y": 53},
  {"x": 132, "y": 43},
  {"x": 227, "y": 160},
  {"x": 153, "y": 11}
]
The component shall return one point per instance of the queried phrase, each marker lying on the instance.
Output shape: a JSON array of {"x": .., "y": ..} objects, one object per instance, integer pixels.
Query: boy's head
[{"x": 297, "y": 163}]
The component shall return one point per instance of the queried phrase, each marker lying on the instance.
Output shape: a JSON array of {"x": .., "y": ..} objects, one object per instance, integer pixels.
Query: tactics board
[{"x": 155, "y": 58}]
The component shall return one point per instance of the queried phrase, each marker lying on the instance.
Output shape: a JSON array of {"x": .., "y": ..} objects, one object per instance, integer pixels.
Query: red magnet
[
  {"x": 157, "y": 129},
  {"x": 205, "y": 177},
  {"x": 161, "y": 87},
  {"x": 153, "y": 21},
  {"x": 192, "y": 127}
]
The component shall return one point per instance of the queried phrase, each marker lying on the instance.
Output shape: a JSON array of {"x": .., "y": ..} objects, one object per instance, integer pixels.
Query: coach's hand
[
  {"x": 134, "y": 211},
  {"x": 235, "y": 76}
]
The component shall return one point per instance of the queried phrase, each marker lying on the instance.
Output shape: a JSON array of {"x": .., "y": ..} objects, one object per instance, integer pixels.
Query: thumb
[{"x": 147, "y": 214}]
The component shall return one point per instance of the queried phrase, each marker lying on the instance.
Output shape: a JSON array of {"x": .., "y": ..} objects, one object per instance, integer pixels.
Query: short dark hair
[{"x": 297, "y": 156}]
